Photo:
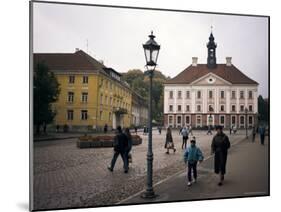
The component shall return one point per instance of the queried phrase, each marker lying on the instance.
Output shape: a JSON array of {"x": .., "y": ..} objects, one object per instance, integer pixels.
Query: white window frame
[
  {"x": 84, "y": 117},
  {"x": 240, "y": 125},
  {"x": 177, "y": 124},
  {"x": 234, "y": 108},
  {"x": 70, "y": 100},
  {"x": 85, "y": 79},
  {"x": 179, "y": 105},
  {"x": 220, "y": 123},
  {"x": 186, "y": 108},
  {"x": 170, "y": 108},
  {"x": 235, "y": 117},
  {"x": 253, "y": 122},
  {"x": 69, "y": 118},
  {"x": 171, "y": 124},
  {"x": 84, "y": 98},
  {"x": 223, "y": 107},
  {"x": 189, "y": 123}
]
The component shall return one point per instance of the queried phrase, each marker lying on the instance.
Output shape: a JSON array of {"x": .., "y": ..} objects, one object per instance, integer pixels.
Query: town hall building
[{"x": 210, "y": 94}]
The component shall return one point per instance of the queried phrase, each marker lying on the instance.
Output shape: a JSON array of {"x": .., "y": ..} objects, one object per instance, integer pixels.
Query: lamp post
[
  {"x": 151, "y": 50},
  {"x": 246, "y": 113}
]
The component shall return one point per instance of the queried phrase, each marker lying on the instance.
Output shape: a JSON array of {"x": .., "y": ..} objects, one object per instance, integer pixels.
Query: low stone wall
[{"x": 102, "y": 141}]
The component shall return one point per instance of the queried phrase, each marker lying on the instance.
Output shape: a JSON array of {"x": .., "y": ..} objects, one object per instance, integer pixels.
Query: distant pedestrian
[
  {"x": 57, "y": 128},
  {"x": 180, "y": 130},
  {"x": 136, "y": 130},
  {"x": 144, "y": 130},
  {"x": 44, "y": 127},
  {"x": 130, "y": 144},
  {"x": 184, "y": 133},
  {"x": 254, "y": 133},
  {"x": 190, "y": 130},
  {"x": 209, "y": 130},
  {"x": 220, "y": 146},
  {"x": 159, "y": 130},
  {"x": 169, "y": 144},
  {"x": 105, "y": 128},
  {"x": 120, "y": 148},
  {"x": 262, "y": 133},
  {"x": 234, "y": 129},
  {"x": 230, "y": 130},
  {"x": 191, "y": 157}
]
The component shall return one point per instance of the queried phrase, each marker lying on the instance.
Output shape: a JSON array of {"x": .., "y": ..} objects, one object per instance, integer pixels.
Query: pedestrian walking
[
  {"x": 105, "y": 128},
  {"x": 180, "y": 130},
  {"x": 184, "y": 133},
  {"x": 57, "y": 128},
  {"x": 130, "y": 144},
  {"x": 144, "y": 130},
  {"x": 262, "y": 133},
  {"x": 136, "y": 130},
  {"x": 220, "y": 146},
  {"x": 159, "y": 130},
  {"x": 191, "y": 157},
  {"x": 120, "y": 148},
  {"x": 209, "y": 130},
  {"x": 254, "y": 133},
  {"x": 190, "y": 130},
  {"x": 169, "y": 144}
]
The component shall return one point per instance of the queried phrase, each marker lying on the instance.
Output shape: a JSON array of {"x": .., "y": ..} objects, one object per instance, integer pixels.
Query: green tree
[{"x": 45, "y": 92}]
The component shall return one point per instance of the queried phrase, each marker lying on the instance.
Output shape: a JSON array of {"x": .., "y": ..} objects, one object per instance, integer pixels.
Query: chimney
[
  {"x": 228, "y": 61},
  {"x": 194, "y": 61},
  {"x": 77, "y": 49}
]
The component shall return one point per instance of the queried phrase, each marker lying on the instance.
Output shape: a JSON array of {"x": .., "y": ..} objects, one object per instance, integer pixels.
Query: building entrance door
[{"x": 210, "y": 120}]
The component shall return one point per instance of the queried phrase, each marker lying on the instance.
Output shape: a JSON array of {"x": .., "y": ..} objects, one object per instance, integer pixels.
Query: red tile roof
[
  {"x": 228, "y": 73},
  {"x": 78, "y": 61}
]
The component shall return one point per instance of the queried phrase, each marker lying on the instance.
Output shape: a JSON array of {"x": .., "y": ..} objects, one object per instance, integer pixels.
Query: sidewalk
[{"x": 247, "y": 174}]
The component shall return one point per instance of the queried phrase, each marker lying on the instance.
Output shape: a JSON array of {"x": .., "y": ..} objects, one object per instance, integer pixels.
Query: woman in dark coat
[
  {"x": 130, "y": 144},
  {"x": 169, "y": 144},
  {"x": 220, "y": 146}
]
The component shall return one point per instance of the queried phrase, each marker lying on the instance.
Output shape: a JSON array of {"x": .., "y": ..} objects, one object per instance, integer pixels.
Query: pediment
[{"x": 210, "y": 79}]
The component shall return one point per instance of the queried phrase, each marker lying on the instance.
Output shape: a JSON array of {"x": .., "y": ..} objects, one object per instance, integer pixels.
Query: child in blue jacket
[{"x": 191, "y": 157}]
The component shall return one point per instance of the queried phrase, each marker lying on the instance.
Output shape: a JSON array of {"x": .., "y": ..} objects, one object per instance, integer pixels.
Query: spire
[{"x": 211, "y": 45}]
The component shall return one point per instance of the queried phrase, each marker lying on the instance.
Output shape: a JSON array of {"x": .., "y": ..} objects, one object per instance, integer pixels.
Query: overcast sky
[{"x": 116, "y": 36}]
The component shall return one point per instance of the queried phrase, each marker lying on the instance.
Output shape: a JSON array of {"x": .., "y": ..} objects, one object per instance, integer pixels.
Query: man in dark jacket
[
  {"x": 120, "y": 147},
  {"x": 220, "y": 146}
]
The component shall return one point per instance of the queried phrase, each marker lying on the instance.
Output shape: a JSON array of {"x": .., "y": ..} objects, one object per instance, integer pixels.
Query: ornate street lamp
[
  {"x": 246, "y": 113},
  {"x": 151, "y": 51}
]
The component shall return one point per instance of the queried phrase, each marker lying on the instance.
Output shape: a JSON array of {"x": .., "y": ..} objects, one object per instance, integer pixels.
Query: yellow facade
[{"x": 102, "y": 97}]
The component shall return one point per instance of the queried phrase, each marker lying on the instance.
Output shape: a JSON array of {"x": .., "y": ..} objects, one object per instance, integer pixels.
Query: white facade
[{"x": 207, "y": 93}]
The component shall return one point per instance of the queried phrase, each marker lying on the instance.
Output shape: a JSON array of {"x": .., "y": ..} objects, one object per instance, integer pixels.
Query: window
[
  {"x": 242, "y": 120},
  {"x": 241, "y": 94},
  {"x": 84, "y": 114},
  {"x": 70, "y": 97},
  {"x": 100, "y": 115},
  {"x": 250, "y": 120},
  {"x": 233, "y": 95},
  {"x": 69, "y": 115},
  {"x": 179, "y": 94},
  {"x": 210, "y": 94},
  {"x": 171, "y": 108},
  {"x": 250, "y": 108},
  {"x": 179, "y": 120},
  {"x": 233, "y": 108},
  {"x": 85, "y": 79},
  {"x": 198, "y": 108},
  {"x": 170, "y": 120},
  {"x": 110, "y": 101},
  {"x": 179, "y": 108},
  {"x": 233, "y": 120},
  {"x": 222, "y": 94},
  {"x": 171, "y": 95},
  {"x": 109, "y": 116},
  {"x": 187, "y": 108},
  {"x": 222, "y": 108},
  {"x": 84, "y": 97},
  {"x": 222, "y": 120},
  {"x": 187, "y": 95},
  {"x": 198, "y": 94},
  {"x": 241, "y": 108},
  {"x": 210, "y": 108},
  {"x": 198, "y": 121},
  {"x": 101, "y": 98},
  {"x": 71, "y": 79},
  {"x": 250, "y": 94},
  {"x": 187, "y": 120}
]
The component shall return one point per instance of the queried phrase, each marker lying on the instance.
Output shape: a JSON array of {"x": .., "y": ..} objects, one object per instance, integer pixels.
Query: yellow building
[{"x": 92, "y": 95}]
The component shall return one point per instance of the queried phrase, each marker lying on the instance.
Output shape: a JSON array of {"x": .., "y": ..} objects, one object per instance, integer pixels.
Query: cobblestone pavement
[{"x": 66, "y": 176}]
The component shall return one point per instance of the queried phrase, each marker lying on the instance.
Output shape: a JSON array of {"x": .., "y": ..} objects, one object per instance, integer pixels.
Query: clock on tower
[{"x": 211, "y": 45}]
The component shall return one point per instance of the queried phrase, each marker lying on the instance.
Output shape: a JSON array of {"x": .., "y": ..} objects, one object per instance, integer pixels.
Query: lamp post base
[{"x": 148, "y": 195}]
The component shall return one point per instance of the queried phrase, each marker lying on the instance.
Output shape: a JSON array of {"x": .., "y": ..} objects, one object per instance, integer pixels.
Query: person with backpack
[
  {"x": 184, "y": 133},
  {"x": 191, "y": 157},
  {"x": 120, "y": 148}
]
